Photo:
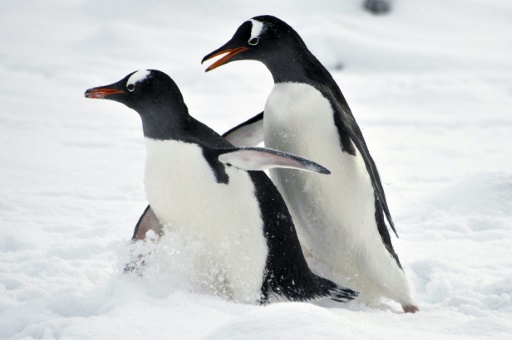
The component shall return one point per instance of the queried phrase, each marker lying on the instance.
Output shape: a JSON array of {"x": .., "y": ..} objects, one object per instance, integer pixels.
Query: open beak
[
  {"x": 230, "y": 54},
  {"x": 101, "y": 92}
]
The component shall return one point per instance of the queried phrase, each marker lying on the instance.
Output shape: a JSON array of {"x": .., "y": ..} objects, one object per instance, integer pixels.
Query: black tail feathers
[
  {"x": 312, "y": 287},
  {"x": 329, "y": 289}
]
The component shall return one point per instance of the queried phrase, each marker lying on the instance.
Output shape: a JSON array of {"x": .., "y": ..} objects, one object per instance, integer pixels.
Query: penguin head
[
  {"x": 156, "y": 98},
  {"x": 262, "y": 38},
  {"x": 139, "y": 90}
]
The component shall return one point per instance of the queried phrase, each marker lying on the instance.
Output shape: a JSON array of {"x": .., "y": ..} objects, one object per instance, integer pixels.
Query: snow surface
[{"x": 430, "y": 85}]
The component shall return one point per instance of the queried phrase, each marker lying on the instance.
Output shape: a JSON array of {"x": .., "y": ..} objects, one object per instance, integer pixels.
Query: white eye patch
[
  {"x": 257, "y": 29},
  {"x": 135, "y": 78}
]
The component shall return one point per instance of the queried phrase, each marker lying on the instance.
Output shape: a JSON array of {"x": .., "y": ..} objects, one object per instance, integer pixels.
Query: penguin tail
[
  {"x": 311, "y": 287},
  {"x": 335, "y": 292}
]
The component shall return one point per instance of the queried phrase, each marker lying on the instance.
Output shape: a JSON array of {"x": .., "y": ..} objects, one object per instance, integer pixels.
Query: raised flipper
[
  {"x": 252, "y": 158},
  {"x": 148, "y": 221},
  {"x": 249, "y": 133}
]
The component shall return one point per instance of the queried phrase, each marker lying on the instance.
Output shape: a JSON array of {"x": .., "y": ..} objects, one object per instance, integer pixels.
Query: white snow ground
[{"x": 430, "y": 85}]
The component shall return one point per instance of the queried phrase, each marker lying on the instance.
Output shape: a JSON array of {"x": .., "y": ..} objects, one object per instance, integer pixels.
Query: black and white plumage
[
  {"x": 339, "y": 218},
  {"x": 198, "y": 184}
]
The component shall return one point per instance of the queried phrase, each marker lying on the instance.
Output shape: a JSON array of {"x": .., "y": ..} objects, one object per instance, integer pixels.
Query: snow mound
[{"x": 482, "y": 194}]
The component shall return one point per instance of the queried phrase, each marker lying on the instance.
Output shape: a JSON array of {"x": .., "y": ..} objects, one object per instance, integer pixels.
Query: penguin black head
[
  {"x": 155, "y": 97},
  {"x": 139, "y": 90},
  {"x": 263, "y": 38}
]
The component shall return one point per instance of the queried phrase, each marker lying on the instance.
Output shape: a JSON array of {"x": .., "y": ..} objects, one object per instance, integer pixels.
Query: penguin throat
[
  {"x": 164, "y": 126},
  {"x": 286, "y": 69}
]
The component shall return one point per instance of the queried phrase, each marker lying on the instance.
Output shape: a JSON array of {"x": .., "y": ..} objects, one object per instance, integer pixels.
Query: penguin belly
[
  {"x": 222, "y": 220},
  {"x": 335, "y": 214}
]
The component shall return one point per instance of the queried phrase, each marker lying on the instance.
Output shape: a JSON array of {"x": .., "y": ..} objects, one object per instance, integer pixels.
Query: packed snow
[{"x": 430, "y": 84}]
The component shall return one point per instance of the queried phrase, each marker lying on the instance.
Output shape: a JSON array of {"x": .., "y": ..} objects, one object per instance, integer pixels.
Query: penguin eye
[
  {"x": 130, "y": 87},
  {"x": 254, "y": 41}
]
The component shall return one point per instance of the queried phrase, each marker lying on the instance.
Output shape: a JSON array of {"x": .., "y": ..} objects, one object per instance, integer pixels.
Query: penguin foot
[{"x": 410, "y": 309}]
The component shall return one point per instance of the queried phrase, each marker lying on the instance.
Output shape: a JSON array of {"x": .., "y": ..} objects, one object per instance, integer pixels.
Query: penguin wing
[
  {"x": 253, "y": 158},
  {"x": 148, "y": 221},
  {"x": 347, "y": 124},
  {"x": 374, "y": 175},
  {"x": 249, "y": 133}
]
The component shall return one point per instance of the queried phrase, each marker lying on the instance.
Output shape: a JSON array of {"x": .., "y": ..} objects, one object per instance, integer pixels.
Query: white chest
[
  {"x": 334, "y": 214},
  {"x": 328, "y": 209},
  {"x": 223, "y": 218},
  {"x": 298, "y": 117}
]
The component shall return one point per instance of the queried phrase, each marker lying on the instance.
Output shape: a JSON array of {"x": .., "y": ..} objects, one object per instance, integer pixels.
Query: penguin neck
[
  {"x": 294, "y": 65},
  {"x": 165, "y": 122},
  {"x": 299, "y": 65}
]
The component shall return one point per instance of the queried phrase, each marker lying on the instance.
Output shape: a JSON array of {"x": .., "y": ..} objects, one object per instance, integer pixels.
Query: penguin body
[
  {"x": 189, "y": 200},
  {"x": 340, "y": 219},
  {"x": 341, "y": 248},
  {"x": 200, "y": 186}
]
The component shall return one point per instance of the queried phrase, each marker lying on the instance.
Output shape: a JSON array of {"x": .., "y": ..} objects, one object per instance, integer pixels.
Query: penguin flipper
[
  {"x": 347, "y": 125},
  {"x": 254, "y": 158},
  {"x": 249, "y": 133},
  {"x": 148, "y": 221},
  {"x": 357, "y": 139}
]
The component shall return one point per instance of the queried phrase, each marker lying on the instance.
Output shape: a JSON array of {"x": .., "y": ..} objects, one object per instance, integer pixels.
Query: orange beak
[
  {"x": 230, "y": 53},
  {"x": 99, "y": 93}
]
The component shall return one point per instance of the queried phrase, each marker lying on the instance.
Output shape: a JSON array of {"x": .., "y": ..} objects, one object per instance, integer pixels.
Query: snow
[{"x": 429, "y": 83}]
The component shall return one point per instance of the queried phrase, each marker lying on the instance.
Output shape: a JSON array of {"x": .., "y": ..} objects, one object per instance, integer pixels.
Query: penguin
[
  {"x": 200, "y": 185},
  {"x": 340, "y": 218}
]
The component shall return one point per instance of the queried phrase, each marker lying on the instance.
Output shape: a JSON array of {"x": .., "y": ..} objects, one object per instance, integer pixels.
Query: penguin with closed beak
[{"x": 200, "y": 185}]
